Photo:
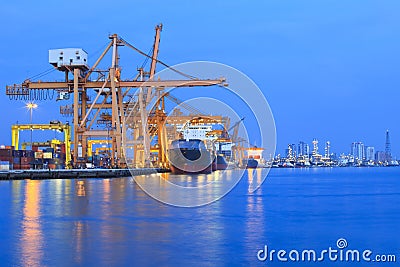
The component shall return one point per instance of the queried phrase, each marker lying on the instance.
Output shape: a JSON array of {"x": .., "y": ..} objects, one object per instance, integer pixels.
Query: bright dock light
[{"x": 31, "y": 106}]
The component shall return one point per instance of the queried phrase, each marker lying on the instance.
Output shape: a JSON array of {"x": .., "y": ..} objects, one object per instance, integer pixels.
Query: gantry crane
[
  {"x": 113, "y": 93},
  {"x": 64, "y": 128}
]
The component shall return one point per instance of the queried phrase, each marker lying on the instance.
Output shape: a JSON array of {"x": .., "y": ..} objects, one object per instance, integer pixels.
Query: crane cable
[
  {"x": 147, "y": 58},
  {"x": 158, "y": 61},
  {"x": 42, "y": 74}
]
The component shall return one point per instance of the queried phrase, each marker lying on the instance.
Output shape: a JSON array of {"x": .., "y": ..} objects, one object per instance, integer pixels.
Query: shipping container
[
  {"x": 52, "y": 166},
  {"x": 27, "y": 160},
  {"x": 29, "y": 153},
  {"x": 38, "y": 161},
  {"x": 22, "y": 166},
  {"x": 6, "y": 158},
  {"x": 62, "y": 146},
  {"x": 47, "y": 155},
  {"x": 6, "y": 152},
  {"x": 39, "y": 155},
  {"x": 48, "y": 149},
  {"x": 49, "y": 161},
  {"x": 59, "y": 156},
  {"x": 4, "y": 165},
  {"x": 17, "y": 153}
]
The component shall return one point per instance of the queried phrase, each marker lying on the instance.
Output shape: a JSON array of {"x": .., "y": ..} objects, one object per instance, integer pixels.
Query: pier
[{"x": 75, "y": 173}]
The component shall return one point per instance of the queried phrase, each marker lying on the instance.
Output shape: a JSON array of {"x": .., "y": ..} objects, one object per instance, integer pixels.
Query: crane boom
[
  {"x": 23, "y": 89},
  {"x": 184, "y": 105}
]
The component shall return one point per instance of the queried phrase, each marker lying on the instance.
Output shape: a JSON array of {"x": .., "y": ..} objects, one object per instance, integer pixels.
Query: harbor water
[{"x": 112, "y": 222}]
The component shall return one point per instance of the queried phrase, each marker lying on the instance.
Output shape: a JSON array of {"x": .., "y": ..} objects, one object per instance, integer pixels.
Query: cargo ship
[
  {"x": 190, "y": 156},
  {"x": 219, "y": 163},
  {"x": 254, "y": 157}
]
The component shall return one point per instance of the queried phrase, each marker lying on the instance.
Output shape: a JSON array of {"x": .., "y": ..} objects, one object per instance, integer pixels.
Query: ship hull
[
  {"x": 220, "y": 163},
  {"x": 187, "y": 170},
  {"x": 190, "y": 161}
]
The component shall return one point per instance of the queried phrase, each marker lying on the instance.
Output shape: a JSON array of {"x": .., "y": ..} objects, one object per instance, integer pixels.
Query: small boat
[{"x": 250, "y": 163}]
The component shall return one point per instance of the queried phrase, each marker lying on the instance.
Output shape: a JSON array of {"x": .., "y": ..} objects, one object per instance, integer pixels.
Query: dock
[{"x": 75, "y": 173}]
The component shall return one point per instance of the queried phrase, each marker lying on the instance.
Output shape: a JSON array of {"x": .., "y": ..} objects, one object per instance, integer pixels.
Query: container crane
[{"x": 112, "y": 93}]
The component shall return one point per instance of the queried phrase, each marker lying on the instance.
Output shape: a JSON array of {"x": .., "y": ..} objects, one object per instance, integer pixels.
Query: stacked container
[
  {"x": 6, "y": 156},
  {"x": 54, "y": 158},
  {"x": 59, "y": 156},
  {"x": 4, "y": 165},
  {"x": 23, "y": 159}
]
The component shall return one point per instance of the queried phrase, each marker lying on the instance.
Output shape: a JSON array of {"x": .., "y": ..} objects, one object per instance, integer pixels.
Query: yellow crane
[
  {"x": 64, "y": 128},
  {"x": 99, "y": 142}
]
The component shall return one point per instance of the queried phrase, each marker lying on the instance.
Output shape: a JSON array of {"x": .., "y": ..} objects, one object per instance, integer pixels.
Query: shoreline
[{"x": 75, "y": 173}]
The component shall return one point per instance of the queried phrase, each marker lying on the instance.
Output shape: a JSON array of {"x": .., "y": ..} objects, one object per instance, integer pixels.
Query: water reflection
[
  {"x": 189, "y": 190},
  {"x": 79, "y": 235},
  {"x": 80, "y": 188},
  {"x": 76, "y": 203},
  {"x": 255, "y": 227},
  {"x": 31, "y": 238},
  {"x": 18, "y": 194}
]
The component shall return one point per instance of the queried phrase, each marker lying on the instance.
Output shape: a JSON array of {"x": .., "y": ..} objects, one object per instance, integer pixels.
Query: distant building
[
  {"x": 380, "y": 156},
  {"x": 316, "y": 157},
  {"x": 315, "y": 147},
  {"x": 333, "y": 156},
  {"x": 358, "y": 150},
  {"x": 327, "y": 149},
  {"x": 370, "y": 153},
  {"x": 291, "y": 151},
  {"x": 303, "y": 149},
  {"x": 388, "y": 150},
  {"x": 288, "y": 153},
  {"x": 294, "y": 151}
]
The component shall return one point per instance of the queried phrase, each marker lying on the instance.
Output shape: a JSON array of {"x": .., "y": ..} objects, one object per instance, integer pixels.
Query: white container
[
  {"x": 4, "y": 166},
  {"x": 47, "y": 155}
]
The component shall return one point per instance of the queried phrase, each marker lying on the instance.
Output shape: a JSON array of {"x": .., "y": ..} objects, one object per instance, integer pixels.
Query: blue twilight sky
[{"x": 329, "y": 69}]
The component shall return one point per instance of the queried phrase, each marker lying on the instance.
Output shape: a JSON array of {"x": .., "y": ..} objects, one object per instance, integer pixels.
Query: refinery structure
[
  {"x": 359, "y": 155},
  {"x": 124, "y": 119}
]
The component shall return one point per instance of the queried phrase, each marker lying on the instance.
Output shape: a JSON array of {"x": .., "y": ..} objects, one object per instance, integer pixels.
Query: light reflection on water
[
  {"x": 189, "y": 190},
  {"x": 32, "y": 236},
  {"x": 111, "y": 222},
  {"x": 255, "y": 222}
]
